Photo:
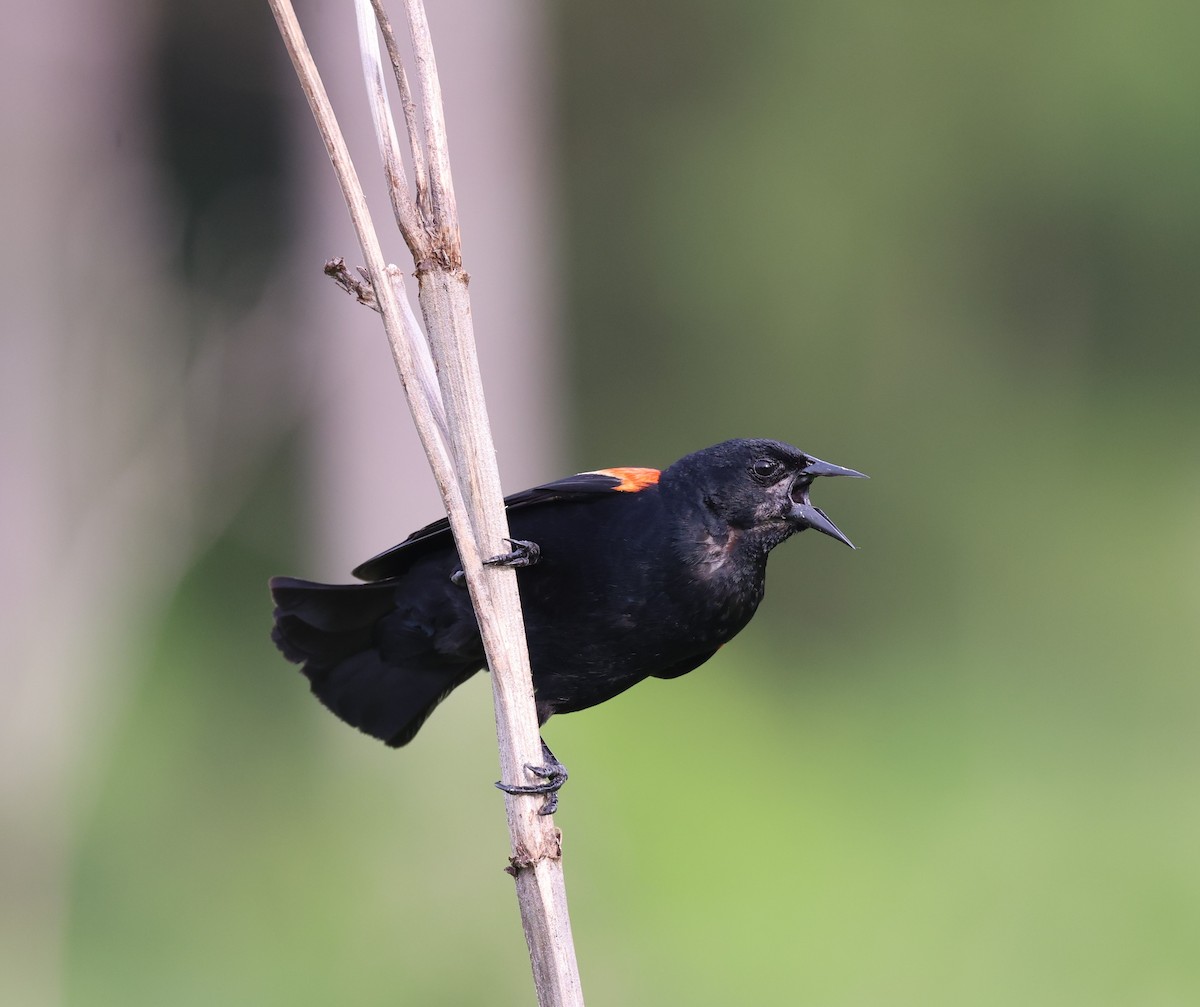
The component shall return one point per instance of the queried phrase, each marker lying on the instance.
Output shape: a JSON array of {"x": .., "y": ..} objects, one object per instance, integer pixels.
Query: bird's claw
[
  {"x": 522, "y": 554},
  {"x": 555, "y": 775}
]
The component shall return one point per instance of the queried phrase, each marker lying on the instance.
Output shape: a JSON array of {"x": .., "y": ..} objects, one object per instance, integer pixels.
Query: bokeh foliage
[{"x": 952, "y": 245}]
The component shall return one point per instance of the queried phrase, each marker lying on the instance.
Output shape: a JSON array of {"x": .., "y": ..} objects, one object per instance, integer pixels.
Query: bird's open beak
[{"x": 803, "y": 512}]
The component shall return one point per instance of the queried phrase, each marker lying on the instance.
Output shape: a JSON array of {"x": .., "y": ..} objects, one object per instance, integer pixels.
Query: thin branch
[
  {"x": 361, "y": 290},
  {"x": 420, "y": 174},
  {"x": 455, "y": 432},
  {"x": 429, "y": 426},
  {"x": 447, "y": 245},
  {"x": 407, "y": 216},
  {"x": 536, "y": 844},
  {"x": 426, "y": 373}
]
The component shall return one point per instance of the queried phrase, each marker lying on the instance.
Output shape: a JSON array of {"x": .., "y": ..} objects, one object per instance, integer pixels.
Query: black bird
[{"x": 630, "y": 573}]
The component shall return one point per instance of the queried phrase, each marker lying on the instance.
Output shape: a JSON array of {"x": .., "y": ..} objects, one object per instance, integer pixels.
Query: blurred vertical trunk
[
  {"x": 136, "y": 401},
  {"x": 84, "y": 299}
]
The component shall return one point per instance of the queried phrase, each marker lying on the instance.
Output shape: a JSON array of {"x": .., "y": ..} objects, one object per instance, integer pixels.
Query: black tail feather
[{"x": 334, "y": 632}]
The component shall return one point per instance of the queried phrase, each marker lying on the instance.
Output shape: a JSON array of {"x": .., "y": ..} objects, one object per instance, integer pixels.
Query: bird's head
[{"x": 761, "y": 485}]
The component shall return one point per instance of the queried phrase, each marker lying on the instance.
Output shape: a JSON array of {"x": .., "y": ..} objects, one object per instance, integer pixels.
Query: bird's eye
[{"x": 765, "y": 469}]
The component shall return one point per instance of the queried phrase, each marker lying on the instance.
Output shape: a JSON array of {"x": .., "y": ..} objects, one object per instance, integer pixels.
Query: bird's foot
[
  {"x": 553, "y": 772},
  {"x": 522, "y": 554}
]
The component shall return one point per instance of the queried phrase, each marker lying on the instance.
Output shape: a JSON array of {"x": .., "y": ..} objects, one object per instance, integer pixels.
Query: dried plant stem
[
  {"x": 450, "y": 415},
  {"x": 407, "y": 217},
  {"x": 420, "y": 174}
]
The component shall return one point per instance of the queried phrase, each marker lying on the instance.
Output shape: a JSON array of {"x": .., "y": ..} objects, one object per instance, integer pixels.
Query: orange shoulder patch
[{"x": 632, "y": 480}]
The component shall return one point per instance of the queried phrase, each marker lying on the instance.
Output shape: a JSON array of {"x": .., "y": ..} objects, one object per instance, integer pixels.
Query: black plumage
[{"x": 640, "y": 574}]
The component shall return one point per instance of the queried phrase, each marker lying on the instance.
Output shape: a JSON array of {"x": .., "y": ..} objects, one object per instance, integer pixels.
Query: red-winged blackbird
[{"x": 630, "y": 573}]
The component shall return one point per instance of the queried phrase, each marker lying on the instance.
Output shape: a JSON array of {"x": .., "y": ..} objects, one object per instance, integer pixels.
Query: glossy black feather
[
  {"x": 394, "y": 561},
  {"x": 639, "y": 576}
]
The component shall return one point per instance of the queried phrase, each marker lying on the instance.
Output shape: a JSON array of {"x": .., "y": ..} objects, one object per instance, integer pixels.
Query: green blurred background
[{"x": 953, "y": 245}]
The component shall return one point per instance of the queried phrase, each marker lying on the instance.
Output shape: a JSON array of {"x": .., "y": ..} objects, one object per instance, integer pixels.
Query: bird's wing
[{"x": 602, "y": 482}]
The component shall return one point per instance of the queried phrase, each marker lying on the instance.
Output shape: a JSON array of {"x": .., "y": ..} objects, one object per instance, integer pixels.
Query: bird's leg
[
  {"x": 522, "y": 554},
  {"x": 553, "y": 772}
]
